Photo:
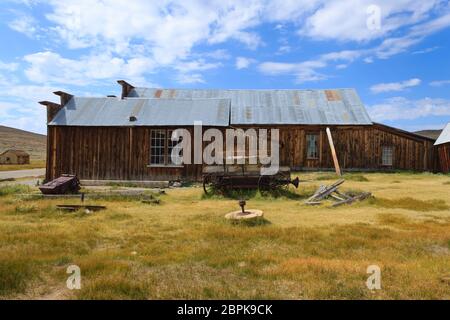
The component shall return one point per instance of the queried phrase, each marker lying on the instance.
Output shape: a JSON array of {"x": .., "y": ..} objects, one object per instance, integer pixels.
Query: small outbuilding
[
  {"x": 12, "y": 156},
  {"x": 443, "y": 146}
]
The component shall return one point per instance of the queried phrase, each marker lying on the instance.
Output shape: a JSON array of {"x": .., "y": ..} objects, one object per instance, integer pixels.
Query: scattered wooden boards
[{"x": 332, "y": 191}]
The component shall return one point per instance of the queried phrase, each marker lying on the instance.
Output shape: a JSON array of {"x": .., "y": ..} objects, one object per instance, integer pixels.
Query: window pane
[
  {"x": 158, "y": 141},
  {"x": 312, "y": 145},
  {"x": 387, "y": 156},
  {"x": 172, "y": 145}
]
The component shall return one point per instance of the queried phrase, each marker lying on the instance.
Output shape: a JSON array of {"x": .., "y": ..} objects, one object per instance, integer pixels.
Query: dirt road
[{"x": 21, "y": 174}]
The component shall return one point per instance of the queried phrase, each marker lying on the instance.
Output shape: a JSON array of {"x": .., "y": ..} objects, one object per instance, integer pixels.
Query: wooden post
[{"x": 333, "y": 153}]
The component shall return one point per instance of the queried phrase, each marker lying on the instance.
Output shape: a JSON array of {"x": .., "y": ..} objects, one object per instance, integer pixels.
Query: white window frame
[
  {"x": 387, "y": 156},
  {"x": 166, "y": 148},
  {"x": 153, "y": 147}
]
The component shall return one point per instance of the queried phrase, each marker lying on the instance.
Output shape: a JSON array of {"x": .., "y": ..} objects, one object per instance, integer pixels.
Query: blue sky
[{"x": 395, "y": 53}]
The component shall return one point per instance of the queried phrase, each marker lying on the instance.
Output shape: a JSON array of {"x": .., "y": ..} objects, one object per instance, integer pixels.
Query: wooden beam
[{"x": 333, "y": 153}]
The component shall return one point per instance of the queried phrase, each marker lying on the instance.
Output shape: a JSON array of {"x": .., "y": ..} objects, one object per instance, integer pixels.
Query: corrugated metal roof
[
  {"x": 80, "y": 111},
  {"x": 444, "y": 137},
  {"x": 339, "y": 107}
]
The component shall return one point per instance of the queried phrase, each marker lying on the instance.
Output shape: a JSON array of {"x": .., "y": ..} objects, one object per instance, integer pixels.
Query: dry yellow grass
[
  {"x": 184, "y": 248},
  {"x": 34, "y": 164}
]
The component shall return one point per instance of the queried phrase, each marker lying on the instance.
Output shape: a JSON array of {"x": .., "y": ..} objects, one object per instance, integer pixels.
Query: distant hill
[
  {"x": 33, "y": 143},
  {"x": 434, "y": 134}
]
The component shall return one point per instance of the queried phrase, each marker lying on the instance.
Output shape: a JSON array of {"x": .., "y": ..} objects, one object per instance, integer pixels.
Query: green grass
[
  {"x": 14, "y": 275},
  {"x": 13, "y": 189},
  {"x": 184, "y": 248}
]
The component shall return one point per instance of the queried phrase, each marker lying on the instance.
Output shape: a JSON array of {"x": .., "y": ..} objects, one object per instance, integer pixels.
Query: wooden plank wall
[
  {"x": 109, "y": 153},
  {"x": 444, "y": 157},
  {"x": 122, "y": 153}
]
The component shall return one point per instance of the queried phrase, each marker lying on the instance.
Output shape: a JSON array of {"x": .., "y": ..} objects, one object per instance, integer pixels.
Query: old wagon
[{"x": 224, "y": 178}]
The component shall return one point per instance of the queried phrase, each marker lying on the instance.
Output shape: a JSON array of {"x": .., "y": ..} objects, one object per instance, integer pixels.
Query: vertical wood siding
[
  {"x": 123, "y": 153},
  {"x": 444, "y": 157}
]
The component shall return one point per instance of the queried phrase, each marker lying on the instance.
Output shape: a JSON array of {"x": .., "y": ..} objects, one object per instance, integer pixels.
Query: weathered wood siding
[
  {"x": 444, "y": 157},
  {"x": 122, "y": 153}
]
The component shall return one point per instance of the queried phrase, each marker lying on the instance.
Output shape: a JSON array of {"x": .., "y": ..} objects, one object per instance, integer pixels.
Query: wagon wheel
[
  {"x": 263, "y": 184},
  {"x": 208, "y": 184},
  {"x": 280, "y": 179},
  {"x": 226, "y": 186},
  {"x": 273, "y": 183}
]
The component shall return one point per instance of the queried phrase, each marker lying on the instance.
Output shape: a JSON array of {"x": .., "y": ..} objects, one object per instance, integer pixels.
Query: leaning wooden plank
[
  {"x": 325, "y": 192},
  {"x": 343, "y": 195},
  {"x": 337, "y": 198},
  {"x": 353, "y": 199},
  {"x": 333, "y": 153},
  {"x": 318, "y": 191}
]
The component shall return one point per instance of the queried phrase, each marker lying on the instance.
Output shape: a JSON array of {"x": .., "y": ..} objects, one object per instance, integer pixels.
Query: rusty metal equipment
[
  {"x": 227, "y": 177},
  {"x": 65, "y": 184},
  {"x": 242, "y": 204}
]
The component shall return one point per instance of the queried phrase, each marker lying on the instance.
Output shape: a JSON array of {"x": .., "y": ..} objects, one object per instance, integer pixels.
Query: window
[
  {"x": 172, "y": 145},
  {"x": 312, "y": 146},
  {"x": 162, "y": 146},
  {"x": 387, "y": 155},
  {"x": 158, "y": 146}
]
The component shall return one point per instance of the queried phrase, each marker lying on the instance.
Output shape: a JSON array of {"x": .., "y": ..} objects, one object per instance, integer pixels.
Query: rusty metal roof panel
[
  {"x": 337, "y": 106},
  {"x": 148, "y": 112},
  {"x": 444, "y": 136}
]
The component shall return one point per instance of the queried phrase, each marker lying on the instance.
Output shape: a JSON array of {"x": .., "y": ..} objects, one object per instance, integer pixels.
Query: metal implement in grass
[{"x": 223, "y": 178}]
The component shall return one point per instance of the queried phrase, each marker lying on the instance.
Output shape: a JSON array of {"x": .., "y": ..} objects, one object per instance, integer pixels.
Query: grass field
[
  {"x": 34, "y": 164},
  {"x": 183, "y": 248}
]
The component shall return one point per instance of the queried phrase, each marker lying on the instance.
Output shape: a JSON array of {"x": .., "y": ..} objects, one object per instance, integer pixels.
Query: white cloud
[
  {"x": 50, "y": 67},
  {"x": 19, "y": 106},
  {"x": 133, "y": 39},
  {"x": 189, "y": 78},
  {"x": 243, "y": 62},
  {"x": 219, "y": 54},
  {"x": 439, "y": 83},
  {"x": 195, "y": 65},
  {"x": 8, "y": 66},
  {"x": 306, "y": 71},
  {"x": 283, "y": 50},
  {"x": 347, "y": 20},
  {"x": 426, "y": 50},
  {"x": 169, "y": 29},
  {"x": 395, "y": 86},
  {"x": 400, "y": 108},
  {"x": 25, "y": 24},
  {"x": 395, "y": 45}
]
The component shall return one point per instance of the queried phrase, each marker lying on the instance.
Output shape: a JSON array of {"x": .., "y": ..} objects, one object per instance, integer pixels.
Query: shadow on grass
[
  {"x": 247, "y": 194},
  {"x": 257, "y": 222},
  {"x": 410, "y": 204}
]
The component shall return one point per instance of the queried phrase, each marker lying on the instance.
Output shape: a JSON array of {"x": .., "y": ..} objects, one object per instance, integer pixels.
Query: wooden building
[
  {"x": 443, "y": 146},
  {"x": 13, "y": 156},
  {"x": 128, "y": 138}
]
